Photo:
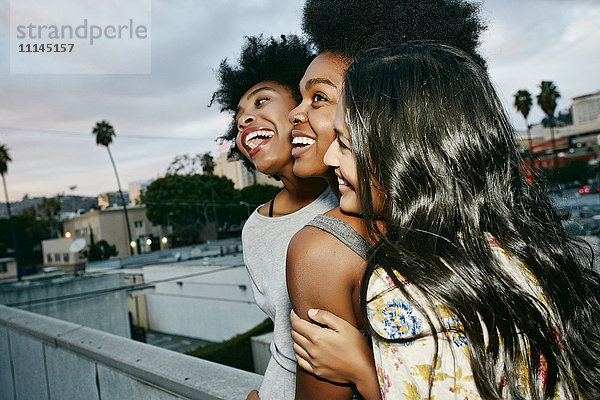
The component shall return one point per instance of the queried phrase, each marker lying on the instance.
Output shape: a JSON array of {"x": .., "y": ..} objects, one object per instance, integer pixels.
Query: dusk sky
[{"x": 46, "y": 119}]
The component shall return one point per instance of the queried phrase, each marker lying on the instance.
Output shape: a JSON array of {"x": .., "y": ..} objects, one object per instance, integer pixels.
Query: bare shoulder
[
  {"x": 322, "y": 272},
  {"x": 314, "y": 251}
]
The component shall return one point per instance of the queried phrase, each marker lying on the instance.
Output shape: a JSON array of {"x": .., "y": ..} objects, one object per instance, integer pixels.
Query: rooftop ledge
[{"x": 47, "y": 358}]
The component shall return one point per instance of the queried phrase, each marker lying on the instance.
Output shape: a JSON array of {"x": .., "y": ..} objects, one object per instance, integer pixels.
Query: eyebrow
[
  {"x": 237, "y": 110},
  {"x": 315, "y": 81}
]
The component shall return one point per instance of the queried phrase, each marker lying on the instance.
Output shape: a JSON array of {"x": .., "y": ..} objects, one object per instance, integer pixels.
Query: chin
[
  {"x": 308, "y": 169},
  {"x": 352, "y": 209}
]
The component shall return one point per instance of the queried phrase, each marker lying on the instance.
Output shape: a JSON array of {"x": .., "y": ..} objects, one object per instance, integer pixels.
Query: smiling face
[
  {"x": 320, "y": 87},
  {"x": 264, "y": 132},
  {"x": 341, "y": 157}
]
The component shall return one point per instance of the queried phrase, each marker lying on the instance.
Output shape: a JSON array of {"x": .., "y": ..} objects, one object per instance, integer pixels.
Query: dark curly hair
[
  {"x": 262, "y": 59},
  {"x": 352, "y": 27}
]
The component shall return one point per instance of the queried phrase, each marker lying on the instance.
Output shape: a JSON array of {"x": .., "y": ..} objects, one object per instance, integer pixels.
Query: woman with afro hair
[
  {"x": 326, "y": 259},
  {"x": 260, "y": 91}
]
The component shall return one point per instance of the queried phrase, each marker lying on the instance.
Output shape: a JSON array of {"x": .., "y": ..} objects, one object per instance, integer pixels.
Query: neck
[
  {"x": 332, "y": 181},
  {"x": 302, "y": 191}
]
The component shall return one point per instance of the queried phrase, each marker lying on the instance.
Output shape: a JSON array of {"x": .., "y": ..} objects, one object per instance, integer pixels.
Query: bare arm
[
  {"x": 321, "y": 273},
  {"x": 333, "y": 349}
]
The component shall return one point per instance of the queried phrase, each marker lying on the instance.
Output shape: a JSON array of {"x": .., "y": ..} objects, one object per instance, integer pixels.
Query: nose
[
  {"x": 331, "y": 155},
  {"x": 245, "y": 120},
  {"x": 297, "y": 116}
]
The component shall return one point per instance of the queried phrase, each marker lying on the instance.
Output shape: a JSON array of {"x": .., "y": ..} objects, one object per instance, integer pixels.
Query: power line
[
  {"x": 129, "y": 288},
  {"x": 31, "y": 131}
]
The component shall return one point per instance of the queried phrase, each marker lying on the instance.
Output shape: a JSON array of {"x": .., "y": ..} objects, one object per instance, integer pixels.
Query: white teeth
[
  {"x": 262, "y": 134},
  {"x": 341, "y": 181},
  {"x": 302, "y": 140}
]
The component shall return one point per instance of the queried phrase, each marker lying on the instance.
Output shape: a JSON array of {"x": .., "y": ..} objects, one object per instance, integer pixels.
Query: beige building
[
  {"x": 8, "y": 268},
  {"x": 239, "y": 174},
  {"x": 586, "y": 108},
  {"x": 109, "y": 225},
  {"x": 136, "y": 190},
  {"x": 60, "y": 253}
]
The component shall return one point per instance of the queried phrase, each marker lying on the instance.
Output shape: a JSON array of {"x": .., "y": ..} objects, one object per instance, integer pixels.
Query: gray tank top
[{"x": 343, "y": 232}]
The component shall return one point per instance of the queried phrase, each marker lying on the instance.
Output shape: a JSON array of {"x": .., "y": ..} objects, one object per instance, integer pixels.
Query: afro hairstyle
[
  {"x": 354, "y": 27},
  {"x": 282, "y": 60}
]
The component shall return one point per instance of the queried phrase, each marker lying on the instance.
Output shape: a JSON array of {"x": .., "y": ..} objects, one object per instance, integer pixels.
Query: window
[
  {"x": 66, "y": 257},
  {"x": 49, "y": 258},
  {"x": 57, "y": 257},
  {"x": 138, "y": 224},
  {"x": 3, "y": 267}
]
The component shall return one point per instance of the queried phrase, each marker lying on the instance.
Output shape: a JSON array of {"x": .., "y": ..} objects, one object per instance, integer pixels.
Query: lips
[
  {"x": 343, "y": 185},
  {"x": 255, "y": 138},
  {"x": 301, "y": 143}
]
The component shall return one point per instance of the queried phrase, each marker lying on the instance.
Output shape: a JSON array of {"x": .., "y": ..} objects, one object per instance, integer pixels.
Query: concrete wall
[
  {"x": 44, "y": 358},
  {"x": 261, "y": 351},
  {"x": 214, "y": 304},
  {"x": 102, "y": 308}
]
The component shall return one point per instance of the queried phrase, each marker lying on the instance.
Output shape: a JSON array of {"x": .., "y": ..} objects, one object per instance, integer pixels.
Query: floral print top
[{"x": 404, "y": 368}]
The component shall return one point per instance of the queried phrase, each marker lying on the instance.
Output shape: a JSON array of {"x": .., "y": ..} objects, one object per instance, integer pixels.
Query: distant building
[
  {"x": 109, "y": 224},
  {"x": 586, "y": 108},
  {"x": 239, "y": 174},
  {"x": 137, "y": 190},
  {"x": 58, "y": 253},
  {"x": 8, "y": 268},
  {"x": 112, "y": 199}
]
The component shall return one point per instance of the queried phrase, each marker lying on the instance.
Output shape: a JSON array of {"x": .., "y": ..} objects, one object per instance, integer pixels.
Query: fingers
[
  {"x": 302, "y": 326},
  {"x": 302, "y": 341},
  {"x": 303, "y": 358},
  {"x": 302, "y": 363},
  {"x": 328, "y": 319},
  {"x": 253, "y": 395}
]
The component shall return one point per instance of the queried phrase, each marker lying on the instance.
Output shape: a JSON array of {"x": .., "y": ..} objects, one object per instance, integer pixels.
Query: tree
[
  {"x": 190, "y": 202},
  {"x": 48, "y": 212},
  {"x": 100, "y": 251},
  {"x": 104, "y": 135},
  {"x": 547, "y": 101},
  {"x": 208, "y": 164},
  {"x": 4, "y": 160},
  {"x": 523, "y": 104},
  {"x": 185, "y": 165}
]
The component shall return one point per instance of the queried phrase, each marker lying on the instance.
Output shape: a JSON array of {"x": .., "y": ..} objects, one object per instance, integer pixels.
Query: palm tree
[
  {"x": 4, "y": 160},
  {"x": 547, "y": 101},
  {"x": 523, "y": 104},
  {"x": 208, "y": 164},
  {"x": 104, "y": 135}
]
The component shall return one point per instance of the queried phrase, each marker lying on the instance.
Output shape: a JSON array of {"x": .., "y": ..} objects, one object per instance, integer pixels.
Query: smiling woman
[
  {"x": 260, "y": 92},
  {"x": 326, "y": 259}
]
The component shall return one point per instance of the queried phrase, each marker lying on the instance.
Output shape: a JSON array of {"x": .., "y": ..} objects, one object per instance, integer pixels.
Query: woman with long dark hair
[
  {"x": 473, "y": 289},
  {"x": 325, "y": 260}
]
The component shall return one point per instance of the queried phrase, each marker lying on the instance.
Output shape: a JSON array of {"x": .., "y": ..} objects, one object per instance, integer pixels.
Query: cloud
[{"x": 527, "y": 41}]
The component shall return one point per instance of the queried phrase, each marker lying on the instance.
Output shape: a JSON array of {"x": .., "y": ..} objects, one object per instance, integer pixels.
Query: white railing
[{"x": 46, "y": 358}]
